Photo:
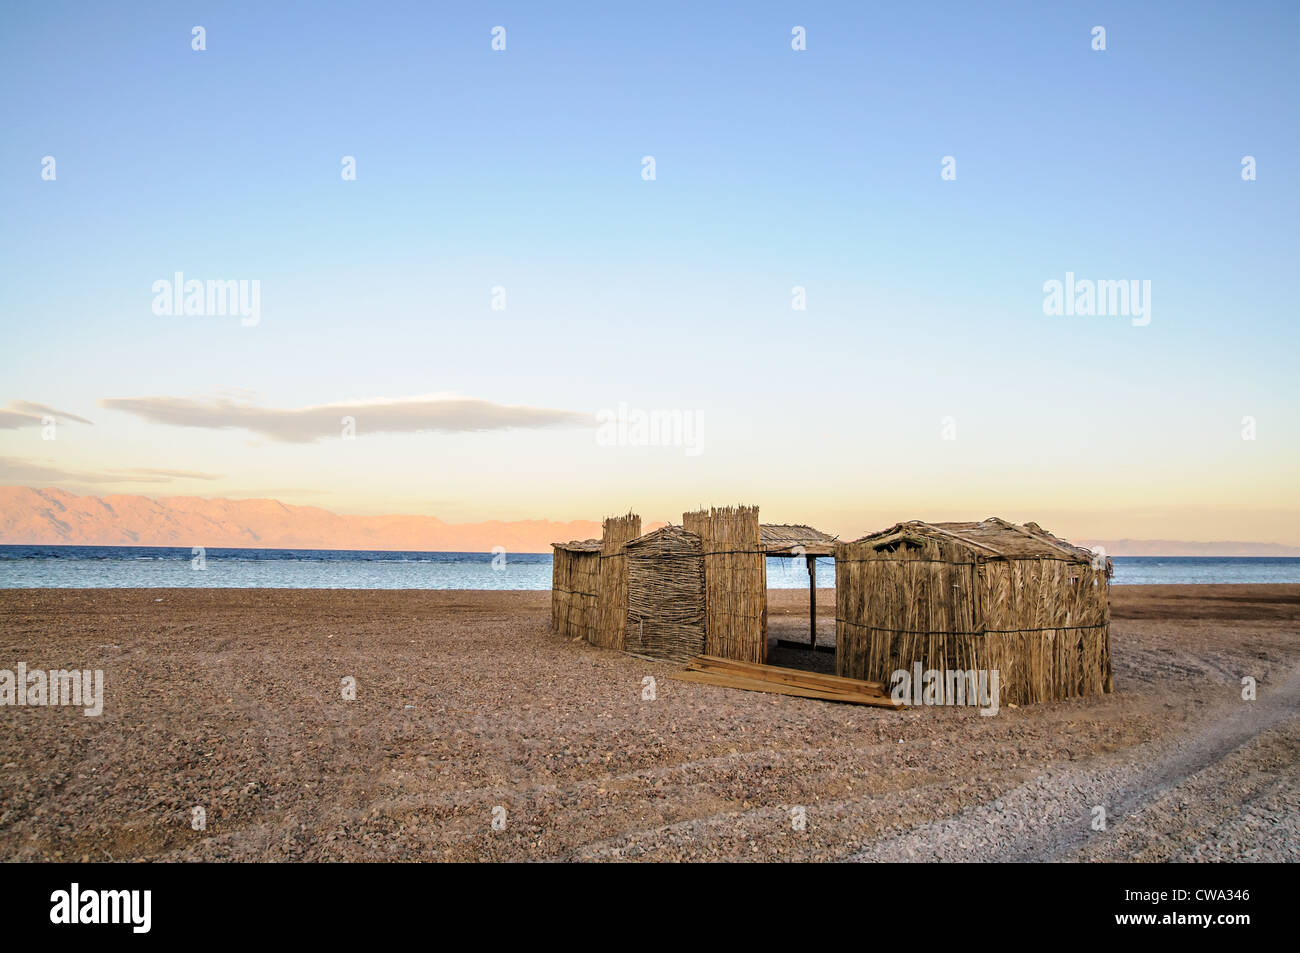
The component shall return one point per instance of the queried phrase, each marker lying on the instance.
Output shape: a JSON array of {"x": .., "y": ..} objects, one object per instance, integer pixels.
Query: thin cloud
[
  {"x": 168, "y": 474},
  {"x": 25, "y": 413},
  {"x": 12, "y": 420},
  {"x": 439, "y": 414},
  {"x": 14, "y": 470}
]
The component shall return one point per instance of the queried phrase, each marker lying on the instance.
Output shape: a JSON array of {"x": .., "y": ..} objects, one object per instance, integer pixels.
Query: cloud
[
  {"x": 11, "y": 420},
  {"x": 14, "y": 470},
  {"x": 437, "y": 413},
  {"x": 24, "y": 413},
  {"x": 169, "y": 474}
]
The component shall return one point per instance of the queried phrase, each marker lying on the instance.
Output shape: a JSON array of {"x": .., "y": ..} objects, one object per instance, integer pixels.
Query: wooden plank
[
  {"x": 793, "y": 678},
  {"x": 724, "y": 680},
  {"x": 815, "y": 679}
]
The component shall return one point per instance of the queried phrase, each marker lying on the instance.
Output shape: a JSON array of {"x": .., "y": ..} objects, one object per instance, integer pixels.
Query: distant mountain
[
  {"x": 1173, "y": 547},
  {"x": 56, "y": 517}
]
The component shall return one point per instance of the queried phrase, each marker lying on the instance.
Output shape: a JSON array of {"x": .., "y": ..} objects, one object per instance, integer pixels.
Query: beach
[{"x": 468, "y": 709}]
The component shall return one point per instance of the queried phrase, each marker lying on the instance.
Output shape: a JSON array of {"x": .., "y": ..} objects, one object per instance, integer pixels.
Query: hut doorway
[{"x": 793, "y": 629}]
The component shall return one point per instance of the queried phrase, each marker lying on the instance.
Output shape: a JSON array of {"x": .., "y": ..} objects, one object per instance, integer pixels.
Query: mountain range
[{"x": 56, "y": 517}]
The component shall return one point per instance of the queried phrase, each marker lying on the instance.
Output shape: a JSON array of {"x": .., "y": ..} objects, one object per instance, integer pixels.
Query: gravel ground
[{"x": 230, "y": 700}]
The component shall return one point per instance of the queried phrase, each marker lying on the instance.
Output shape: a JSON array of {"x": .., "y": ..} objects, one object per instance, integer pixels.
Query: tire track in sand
[{"x": 1050, "y": 818}]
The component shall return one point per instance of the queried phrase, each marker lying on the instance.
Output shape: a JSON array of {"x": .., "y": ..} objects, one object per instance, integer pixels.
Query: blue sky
[{"x": 775, "y": 168}]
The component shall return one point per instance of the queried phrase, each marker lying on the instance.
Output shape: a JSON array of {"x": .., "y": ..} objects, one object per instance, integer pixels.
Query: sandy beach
[{"x": 231, "y": 700}]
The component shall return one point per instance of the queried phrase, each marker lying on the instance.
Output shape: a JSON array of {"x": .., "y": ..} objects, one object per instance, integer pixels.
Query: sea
[{"x": 109, "y": 567}]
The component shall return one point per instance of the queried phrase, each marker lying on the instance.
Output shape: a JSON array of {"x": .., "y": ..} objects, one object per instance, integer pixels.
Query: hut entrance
[{"x": 801, "y": 546}]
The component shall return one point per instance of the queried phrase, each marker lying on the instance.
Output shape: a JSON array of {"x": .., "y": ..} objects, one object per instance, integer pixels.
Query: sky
[{"x": 503, "y": 277}]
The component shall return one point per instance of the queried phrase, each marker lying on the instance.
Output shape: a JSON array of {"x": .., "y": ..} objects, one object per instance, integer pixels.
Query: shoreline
[{"x": 820, "y": 589}]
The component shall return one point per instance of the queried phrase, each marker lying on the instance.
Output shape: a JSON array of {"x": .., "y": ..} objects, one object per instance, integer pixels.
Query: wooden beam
[
  {"x": 812, "y": 600},
  {"x": 728, "y": 680},
  {"x": 777, "y": 672}
]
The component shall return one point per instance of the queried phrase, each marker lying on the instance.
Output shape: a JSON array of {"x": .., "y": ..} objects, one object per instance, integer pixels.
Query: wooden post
[{"x": 812, "y": 601}]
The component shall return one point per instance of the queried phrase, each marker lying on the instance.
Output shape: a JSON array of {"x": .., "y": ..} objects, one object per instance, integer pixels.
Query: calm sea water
[{"x": 100, "y": 567}]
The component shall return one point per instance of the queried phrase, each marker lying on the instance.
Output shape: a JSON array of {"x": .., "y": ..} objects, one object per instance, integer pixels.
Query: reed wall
[
  {"x": 665, "y": 617},
  {"x": 1042, "y": 622},
  {"x": 575, "y": 581},
  {"x": 735, "y": 581},
  {"x": 611, "y": 613}
]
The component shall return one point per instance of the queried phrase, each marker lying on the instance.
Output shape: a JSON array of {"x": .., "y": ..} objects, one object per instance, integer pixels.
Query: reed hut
[
  {"x": 611, "y": 604},
  {"x": 665, "y": 594},
  {"x": 575, "y": 580},
  {"x": 984, "y": 596},
  {"x": 735, "y": 581}
]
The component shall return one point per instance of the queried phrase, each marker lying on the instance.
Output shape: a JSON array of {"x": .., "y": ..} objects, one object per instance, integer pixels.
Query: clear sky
[{"x": 522, "y": 169}]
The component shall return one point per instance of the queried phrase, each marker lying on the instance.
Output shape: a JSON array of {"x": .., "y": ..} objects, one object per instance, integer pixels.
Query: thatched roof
[
  {"x": 780, "y": 539},
  {"x": 579, "y": 545},
  {"x": 993, "y": 538}
]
